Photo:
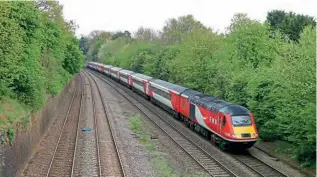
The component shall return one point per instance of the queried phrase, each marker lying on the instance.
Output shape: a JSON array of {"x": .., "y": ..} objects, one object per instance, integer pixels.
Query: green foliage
[
  {"x": 83, "y": 45},
  {"x": 157, "y": 65},
  {"x": 95, "y": 41},
  {"x": 290, "y": 24},
  {"x": 175, "y": 30},
  {"x": 135, "y": 124},
  {"x": 266, "y": 72},
  {"x": 190, "y": 67},
  {"x": 73, "y": 57},
  {"x": 144, "y": 56},
  {"x": 11, "y": 134},
  {"x": 38, "y": 52}
]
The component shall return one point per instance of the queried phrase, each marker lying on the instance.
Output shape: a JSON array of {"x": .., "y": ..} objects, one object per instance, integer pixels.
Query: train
[{"x": 227, "y": 125}]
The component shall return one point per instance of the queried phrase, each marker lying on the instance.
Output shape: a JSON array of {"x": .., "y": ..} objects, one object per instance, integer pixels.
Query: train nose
[{"x": 244, "y": 132}]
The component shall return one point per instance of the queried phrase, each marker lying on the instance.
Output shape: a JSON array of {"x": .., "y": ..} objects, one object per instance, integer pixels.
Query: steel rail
[{"x": 110, "y": 125}]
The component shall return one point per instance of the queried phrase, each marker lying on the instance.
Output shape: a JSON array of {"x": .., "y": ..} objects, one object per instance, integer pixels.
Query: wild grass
[{"x": 11, "y": 113}]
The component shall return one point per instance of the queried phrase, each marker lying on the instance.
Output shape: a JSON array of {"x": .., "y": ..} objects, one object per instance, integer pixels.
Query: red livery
[{"x": 225, "y": 124}]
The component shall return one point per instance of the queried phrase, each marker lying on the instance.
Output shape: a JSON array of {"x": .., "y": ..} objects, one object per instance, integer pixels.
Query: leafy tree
[
  {"x": 290, "y": 23},
  {"x": 238, "y": 20},
  {"x": 146, "y": 35},
  {"x": 190, "y": 66},
  {"x": 157, "y": 66},
  {"x": 84, "y": 45},
  {"x": 125, "y": 34},
  {"x": 96, "y": 40},
  {"x": 73, "y": 57},
  {"x": 176, "y": 29},
  {"x": 267, "y": 72},
  {"x": 34, "y": 36}
]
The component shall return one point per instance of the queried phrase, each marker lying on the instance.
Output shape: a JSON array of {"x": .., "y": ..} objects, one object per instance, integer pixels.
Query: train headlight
[
  {"x": 255, "y": 134},
  {"x": 236, "y": 135}
]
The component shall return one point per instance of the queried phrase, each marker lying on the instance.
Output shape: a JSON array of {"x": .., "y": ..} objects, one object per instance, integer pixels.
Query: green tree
[
  {"x": 84, "y": 45},
  {"x": 190, "y": 66},
  {"x": 175, "y": 30},
  {"x": 290, "y": 24}
]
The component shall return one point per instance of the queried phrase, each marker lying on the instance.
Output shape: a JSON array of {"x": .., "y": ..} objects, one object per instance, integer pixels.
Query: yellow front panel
[{"x": 244, "y": 129}]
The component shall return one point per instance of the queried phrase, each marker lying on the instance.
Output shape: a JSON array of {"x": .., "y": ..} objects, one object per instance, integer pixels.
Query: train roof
[
  {"x": 115, "y": 68},
  {"x": 235, "y": 109},
  {"x": 213, "y": 103},
  {"x": 107, "y": 66},
  {"x": 168, "y": 85},
  {"x": 126, "y": 71},
  {"x": 142, "y": 76},
  {"x": 190, "y": 93}
]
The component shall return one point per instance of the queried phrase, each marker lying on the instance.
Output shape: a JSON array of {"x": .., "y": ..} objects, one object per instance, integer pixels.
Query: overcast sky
[{"x": 114, "y": 15}]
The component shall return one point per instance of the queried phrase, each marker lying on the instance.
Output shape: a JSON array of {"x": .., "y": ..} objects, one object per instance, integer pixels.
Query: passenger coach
[{"x": 226, "y": 124}]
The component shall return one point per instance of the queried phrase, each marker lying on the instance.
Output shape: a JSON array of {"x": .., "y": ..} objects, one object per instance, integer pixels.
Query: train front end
[{"x": 242, "y": 133}]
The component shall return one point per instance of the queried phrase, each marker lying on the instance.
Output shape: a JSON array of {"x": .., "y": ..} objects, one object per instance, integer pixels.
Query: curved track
[
  {"x": 109, "y": 149},
  {"x": 203, "y": 158}
]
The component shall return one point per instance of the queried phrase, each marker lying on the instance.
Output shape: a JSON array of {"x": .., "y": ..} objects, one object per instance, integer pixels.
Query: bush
[{"x": 38, "y": 52}]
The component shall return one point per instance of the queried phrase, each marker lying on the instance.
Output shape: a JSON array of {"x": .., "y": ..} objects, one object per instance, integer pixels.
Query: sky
[{"x": 120, "y": 15}]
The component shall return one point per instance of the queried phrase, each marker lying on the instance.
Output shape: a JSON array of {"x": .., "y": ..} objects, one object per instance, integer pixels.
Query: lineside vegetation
[
  {"x": 39, "y": 53},
  {"x": 268, "y": 67}
]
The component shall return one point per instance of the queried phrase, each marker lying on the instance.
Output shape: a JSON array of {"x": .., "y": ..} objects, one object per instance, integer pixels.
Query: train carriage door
[
  {"x": 221, "y": 122},
  {"x": 192, "y": 111},
  {"x": 218, "y": 124},
  {"x": 147, "y": 88},
  {"x": 130, "y": 80}
]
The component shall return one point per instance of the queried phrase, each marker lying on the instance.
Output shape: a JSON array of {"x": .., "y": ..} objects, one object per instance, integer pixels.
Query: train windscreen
[{"x": 241, "y": 120}]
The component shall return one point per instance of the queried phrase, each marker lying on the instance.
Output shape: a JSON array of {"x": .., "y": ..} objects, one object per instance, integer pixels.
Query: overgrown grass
[
  {"x": 162, "y": 168},
  {"x": 12, "y": 112}
]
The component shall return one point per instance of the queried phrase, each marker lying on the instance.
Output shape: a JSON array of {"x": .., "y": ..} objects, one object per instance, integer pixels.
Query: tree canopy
[
  {"x": 39, "y": 52},
  {"x": 267, "y": 67},
  {"x": 290, "y": 23}
]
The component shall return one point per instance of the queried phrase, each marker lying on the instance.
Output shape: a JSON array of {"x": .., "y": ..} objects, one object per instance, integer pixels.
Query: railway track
[
  {"x": 258, "y": 166},
  {"x": 212, "y": 166},
  {"x": 61, "y": 163},
  {"x": 255, "y": 165},
  {"x": 112, "y": 164},
  {"x": 86, "y": 160}
]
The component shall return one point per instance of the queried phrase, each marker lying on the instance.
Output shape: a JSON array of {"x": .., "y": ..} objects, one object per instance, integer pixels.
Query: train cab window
[{"x": 241, "y": 120}]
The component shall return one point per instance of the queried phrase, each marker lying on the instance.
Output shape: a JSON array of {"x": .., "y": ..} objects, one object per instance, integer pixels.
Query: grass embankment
[
  {"x": 12, "y": 115},
  {"x": 161, "y": 165}
]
